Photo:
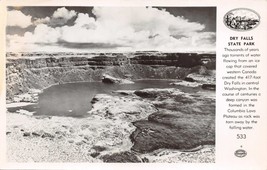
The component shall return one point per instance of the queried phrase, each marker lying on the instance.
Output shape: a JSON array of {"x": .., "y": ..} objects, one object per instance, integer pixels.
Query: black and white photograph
[{"x": 110, "y": 84}]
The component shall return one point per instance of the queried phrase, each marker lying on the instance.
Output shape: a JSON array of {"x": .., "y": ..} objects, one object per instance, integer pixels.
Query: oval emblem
[
  {"x": 240, "y": 153},
  {"x": 241, "y": 19}
]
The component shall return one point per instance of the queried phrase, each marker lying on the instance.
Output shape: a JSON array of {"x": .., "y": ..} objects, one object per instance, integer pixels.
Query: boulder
[
  {"x": 209, "y": 86},
  {"x": 110, "y": 80},
  {"x": 26, "y": 134},
  {"x": 189, "y": 79},
  {"x": 36, "y": 134},
  {"x": 47, "y": 135},
  {"x": 121, "y": 157},
  {"x": 95, "y": 151}
]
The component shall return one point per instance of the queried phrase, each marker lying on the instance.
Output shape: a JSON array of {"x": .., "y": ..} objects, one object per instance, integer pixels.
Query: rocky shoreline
[
  {"x": 129, "y": 127},
  {"x": 29, "y": 142}
]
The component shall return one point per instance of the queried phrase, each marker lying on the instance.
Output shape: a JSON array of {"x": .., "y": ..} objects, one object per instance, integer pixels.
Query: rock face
[
  {"x": 27, "y": 71},
  {"x": 171, "y": 132},
  {"x": 188, "y": 60},
  {"x": 201, "y": 78},
  {"x": 208, "y": 78},
  {"x": 184, "y": 121}
]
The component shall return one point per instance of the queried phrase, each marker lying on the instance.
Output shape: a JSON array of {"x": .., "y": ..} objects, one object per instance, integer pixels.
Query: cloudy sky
[{"x": 82, "y": 29}]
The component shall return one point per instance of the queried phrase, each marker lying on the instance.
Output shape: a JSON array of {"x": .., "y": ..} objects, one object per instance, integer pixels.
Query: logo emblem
[
  {"x": 241, "y": 19},
  {"x": 240, "y": 153}
]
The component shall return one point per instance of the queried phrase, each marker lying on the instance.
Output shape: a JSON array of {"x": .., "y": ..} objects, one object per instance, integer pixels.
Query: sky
[{"x": 107, "y": 29}]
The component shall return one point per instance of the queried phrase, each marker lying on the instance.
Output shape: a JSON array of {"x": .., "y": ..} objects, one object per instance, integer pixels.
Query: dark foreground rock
[
  {"x": 96, "y": 150},
  {"x": 172, "y": 132},
  {"x": 209, "y": 86},
  {"x": 121, "y": 157},
  {"x": 184, "y": 121}
]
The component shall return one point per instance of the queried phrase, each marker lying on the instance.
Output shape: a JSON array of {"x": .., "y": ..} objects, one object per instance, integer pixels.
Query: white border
[{"x": 225, "y": 143}]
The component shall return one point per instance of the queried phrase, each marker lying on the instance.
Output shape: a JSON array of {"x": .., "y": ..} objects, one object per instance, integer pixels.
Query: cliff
[{"x": 25, "y": 71}]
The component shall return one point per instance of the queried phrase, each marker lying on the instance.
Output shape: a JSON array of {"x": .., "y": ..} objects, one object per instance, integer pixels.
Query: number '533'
[{"x": 241, "y": 136}]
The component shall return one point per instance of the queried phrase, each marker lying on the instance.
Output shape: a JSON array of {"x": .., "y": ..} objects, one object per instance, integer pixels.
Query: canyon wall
[{"x": 27, "y": 71}]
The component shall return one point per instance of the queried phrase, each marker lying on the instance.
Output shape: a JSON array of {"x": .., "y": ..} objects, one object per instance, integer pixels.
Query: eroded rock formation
[
  {"x": 27, "y": 71},
  {"x": 146, "y": 125}
]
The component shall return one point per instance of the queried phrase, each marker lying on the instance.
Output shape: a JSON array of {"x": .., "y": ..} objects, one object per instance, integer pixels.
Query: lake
[{"x": 74, "y": 99}]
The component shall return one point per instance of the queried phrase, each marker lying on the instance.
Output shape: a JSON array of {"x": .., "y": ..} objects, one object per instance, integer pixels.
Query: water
[{"x": 74, "y": 99}]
